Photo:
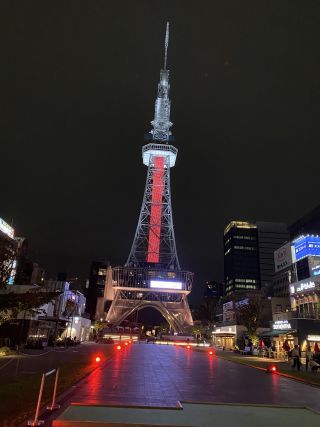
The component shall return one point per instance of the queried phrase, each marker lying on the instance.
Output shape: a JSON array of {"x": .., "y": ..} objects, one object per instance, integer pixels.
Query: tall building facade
[
  {"x": 249, "y": 254},
  {"x": 307, "y": 224},
  {"x": 8, "y": 251},
  {"x": 95, "y": 290},
  {"x": 214, "y": 289},
  {"x": 241, "y": 257},
  {"x": 271, "y": 235}
]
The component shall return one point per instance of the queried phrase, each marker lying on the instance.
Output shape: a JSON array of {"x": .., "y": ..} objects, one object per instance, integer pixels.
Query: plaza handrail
[{"x": 36, "y": 421}]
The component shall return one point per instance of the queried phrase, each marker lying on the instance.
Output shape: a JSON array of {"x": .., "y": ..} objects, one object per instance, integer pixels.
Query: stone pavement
[{"x": 153, "y": 375}]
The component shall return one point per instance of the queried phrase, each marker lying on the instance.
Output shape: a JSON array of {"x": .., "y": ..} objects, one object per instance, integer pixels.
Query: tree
[
  {"x": 11, "y": 304},
  {"x": 197, "y": 329},
  {"x": 248, "y": 313},
  {"x": 163, "y": 329},
  {"x": 7, "y": 258}
]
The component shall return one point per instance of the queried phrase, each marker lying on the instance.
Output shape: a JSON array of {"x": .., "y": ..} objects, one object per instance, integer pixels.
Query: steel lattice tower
[{"x": 152, "y": 274}]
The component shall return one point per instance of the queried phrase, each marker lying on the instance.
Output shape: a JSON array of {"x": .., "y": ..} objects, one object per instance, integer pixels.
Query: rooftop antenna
[{"x": 166, "y": 42}]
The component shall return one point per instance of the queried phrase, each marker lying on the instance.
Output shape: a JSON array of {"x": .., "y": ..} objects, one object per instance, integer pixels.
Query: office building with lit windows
[{"x": 249, "y": 254}]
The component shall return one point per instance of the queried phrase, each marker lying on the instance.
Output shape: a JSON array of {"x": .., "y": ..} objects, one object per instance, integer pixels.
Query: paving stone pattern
[{"x": 154, "y": 375}]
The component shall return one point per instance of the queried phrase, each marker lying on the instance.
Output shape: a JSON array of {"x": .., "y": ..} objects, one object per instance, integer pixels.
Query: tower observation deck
[{"x": 152, "y": 275}]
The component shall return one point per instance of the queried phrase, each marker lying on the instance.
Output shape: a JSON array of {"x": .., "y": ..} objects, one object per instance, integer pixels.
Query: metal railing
[{"x": 53, "y": 406}]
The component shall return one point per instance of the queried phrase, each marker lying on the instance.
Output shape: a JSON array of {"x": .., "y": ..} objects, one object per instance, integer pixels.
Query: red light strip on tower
[{"x": 156, "y": 210}]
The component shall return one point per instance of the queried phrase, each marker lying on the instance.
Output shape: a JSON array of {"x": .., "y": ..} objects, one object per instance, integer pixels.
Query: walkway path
[{"x": 147, "y": 374}]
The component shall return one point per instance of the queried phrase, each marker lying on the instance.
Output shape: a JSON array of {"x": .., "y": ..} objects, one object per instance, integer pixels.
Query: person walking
[
  {"x": 308, "y": 357},
  {"x": 296, "y": 357}
]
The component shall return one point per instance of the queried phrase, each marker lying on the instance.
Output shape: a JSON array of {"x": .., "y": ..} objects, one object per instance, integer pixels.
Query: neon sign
[
  {"x": 305, "y": 286},
  {"x": 313, "y": 337},
  {"x": 161, "y": 284},
  {"x": 301, "y": 287},
  {"x": 281, "y": 325}
]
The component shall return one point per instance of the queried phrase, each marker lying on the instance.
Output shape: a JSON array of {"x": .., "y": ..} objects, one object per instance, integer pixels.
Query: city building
[
  {"x": 210, "y": 307},
  {"x": 24, "y": 266},
  {"x": 96, "y": 285},
  {"x": 241, "y": 257},
  {"x": 271, "y": 235},
  {"x": 8, "y": 249},
  {"x": 307, "y": 224},
  {"x": 296, "y": 261},
  {"x": 297, "y": 277},
  {"x": 229, "y": 332},
  {"x": 285, "y": 272},
  {"x": 63, "y": 316},
  {"x": 249, "y": 255},
  {"x": 214, "y": 289}
]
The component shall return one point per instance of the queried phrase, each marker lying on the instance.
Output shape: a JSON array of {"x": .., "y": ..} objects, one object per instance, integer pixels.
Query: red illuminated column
[{"x": 156, "y": 210}]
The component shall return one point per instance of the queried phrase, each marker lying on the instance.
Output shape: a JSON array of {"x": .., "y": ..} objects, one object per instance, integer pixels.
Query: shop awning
[{"x": 275, "y": 332}]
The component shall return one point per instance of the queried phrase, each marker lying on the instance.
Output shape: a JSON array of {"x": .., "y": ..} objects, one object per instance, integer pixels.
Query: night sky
[{"x": 78, "y": 85}]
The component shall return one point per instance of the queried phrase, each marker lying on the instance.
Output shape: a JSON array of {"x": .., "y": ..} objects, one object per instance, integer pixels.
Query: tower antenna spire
[{"x": 166, "y": 43}]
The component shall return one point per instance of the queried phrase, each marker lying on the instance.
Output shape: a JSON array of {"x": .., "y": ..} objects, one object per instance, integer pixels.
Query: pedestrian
[
  {"x": 296, "y": 357},
  {"x": 308, "y": 357}
]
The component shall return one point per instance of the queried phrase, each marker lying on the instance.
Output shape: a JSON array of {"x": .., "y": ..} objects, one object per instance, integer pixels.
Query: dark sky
[{"x": 78, "y": 84}]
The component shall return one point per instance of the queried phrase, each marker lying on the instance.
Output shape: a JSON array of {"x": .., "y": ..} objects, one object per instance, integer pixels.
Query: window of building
[
  {"x": 102, "y": 272},
  {"x": 245, "y": 248}
]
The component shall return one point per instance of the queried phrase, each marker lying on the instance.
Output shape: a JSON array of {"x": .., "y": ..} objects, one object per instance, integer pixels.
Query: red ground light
[
  {"x": 130, "y": 342},
  {"x": 188, "y": 346},
  {"x": 211, "y": 352},
  {"x": 272, "y": 368},
  {"x": 118, "y": 347},
  {"x": 98, "y": 359},
  {"x": 125, "y": 343}
]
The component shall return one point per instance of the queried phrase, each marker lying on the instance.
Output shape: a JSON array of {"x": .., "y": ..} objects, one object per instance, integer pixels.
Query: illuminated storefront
[
  {"x": 228, "y": 336},
  {"x": 303, "y": 332},
  {"x": 305, "y": 298},
  {"x": 281, "y": 332}
]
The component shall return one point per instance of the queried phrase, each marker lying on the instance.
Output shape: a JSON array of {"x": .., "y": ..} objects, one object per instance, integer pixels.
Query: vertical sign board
[
  {"x": 314, "y": 266},
  {"x": 283, "y": 257}
]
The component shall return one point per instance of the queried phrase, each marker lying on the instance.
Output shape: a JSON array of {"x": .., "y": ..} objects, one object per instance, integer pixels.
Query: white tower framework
[{"x": 152, "y": 274}]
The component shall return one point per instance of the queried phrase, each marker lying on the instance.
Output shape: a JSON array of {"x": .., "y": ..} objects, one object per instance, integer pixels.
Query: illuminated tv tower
[{"x": 152, "y": 274}]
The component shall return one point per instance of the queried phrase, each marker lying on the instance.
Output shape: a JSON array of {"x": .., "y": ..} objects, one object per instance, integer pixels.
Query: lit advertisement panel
[
  {"x": 161, "y": 284},
  {"x": 306, "y": 246},
  {"x": 314, "y": 266},
  {"x": 6, "y": 229}
]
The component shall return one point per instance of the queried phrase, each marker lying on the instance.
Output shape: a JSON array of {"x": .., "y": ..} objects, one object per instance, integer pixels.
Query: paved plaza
[{"x": 160, "y": 375}]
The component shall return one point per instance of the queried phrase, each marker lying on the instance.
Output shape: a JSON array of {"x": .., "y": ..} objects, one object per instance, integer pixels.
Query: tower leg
[{"x": 177, "y": 314}]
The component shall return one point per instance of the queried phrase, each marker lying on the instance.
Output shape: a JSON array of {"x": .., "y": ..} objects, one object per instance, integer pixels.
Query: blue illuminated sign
[{"x": 307, "y": 246}]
